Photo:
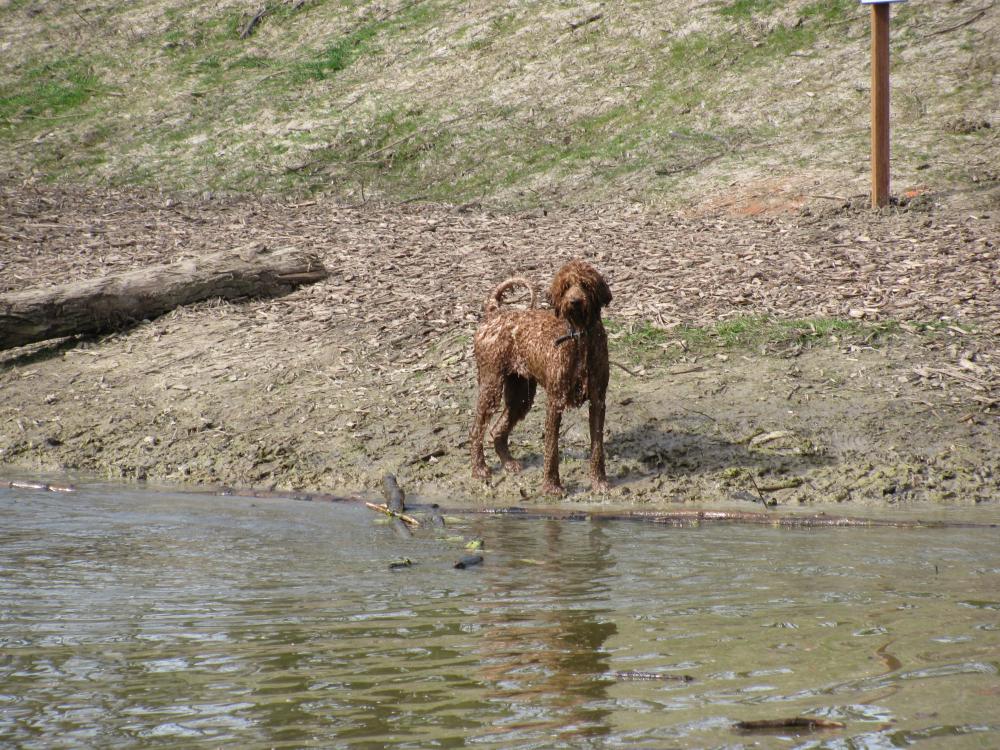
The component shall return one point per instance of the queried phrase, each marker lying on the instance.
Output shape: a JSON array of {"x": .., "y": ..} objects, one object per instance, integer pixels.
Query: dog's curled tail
[{"x": 494, "y": 302}]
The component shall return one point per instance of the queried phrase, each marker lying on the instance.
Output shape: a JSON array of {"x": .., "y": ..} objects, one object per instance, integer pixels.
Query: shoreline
[{"x": 811, "y": 518}]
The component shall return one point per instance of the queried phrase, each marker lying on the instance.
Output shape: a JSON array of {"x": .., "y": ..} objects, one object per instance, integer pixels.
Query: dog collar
[{"x": 571, "y": 333}]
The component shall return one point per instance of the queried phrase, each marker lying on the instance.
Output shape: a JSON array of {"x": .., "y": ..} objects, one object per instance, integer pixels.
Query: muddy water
[{"x": 167, "y": 620}]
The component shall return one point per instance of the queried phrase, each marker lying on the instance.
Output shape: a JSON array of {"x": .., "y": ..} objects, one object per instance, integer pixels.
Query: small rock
[{"x": 468, "y": 561}]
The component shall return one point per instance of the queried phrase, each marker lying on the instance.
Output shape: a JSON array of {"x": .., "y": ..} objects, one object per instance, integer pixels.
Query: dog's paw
[
  {"x": 512, "y": 466},
  {"x": 600, "y": 485},
  {"x": 481, "y": 472}
]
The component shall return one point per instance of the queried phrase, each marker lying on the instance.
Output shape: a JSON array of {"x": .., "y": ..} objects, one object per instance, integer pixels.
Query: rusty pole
[{"x": 880, "y": 104}]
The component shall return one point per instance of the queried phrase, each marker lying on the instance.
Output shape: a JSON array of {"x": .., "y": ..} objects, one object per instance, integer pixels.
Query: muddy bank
[{"x": 370, "y": 371}]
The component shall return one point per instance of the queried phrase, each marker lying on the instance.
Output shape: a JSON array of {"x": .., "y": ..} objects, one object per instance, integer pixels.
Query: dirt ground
[{"x": 370, "y": 371}]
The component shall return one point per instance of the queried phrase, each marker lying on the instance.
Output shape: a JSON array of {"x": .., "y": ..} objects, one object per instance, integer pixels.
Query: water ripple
[{"x": 135, "y": 619}]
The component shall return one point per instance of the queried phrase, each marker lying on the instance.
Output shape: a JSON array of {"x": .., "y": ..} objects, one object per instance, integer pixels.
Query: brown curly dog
[{"x": 565, "y": 349}]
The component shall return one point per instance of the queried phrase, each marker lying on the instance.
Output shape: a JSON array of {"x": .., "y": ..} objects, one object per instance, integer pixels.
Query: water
[{"x": 166, "y": 620}]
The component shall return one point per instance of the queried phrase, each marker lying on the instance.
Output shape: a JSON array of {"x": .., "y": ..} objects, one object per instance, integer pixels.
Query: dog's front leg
[
  {"x": 553, "y": 420},
  {"x": 598, "y": 477}
]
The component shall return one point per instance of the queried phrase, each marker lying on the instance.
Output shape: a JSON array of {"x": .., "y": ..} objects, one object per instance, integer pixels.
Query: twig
[
  {"x": 252, "y": 25},
  {"x": 976, "y": 15},
  {"x": 579, "y": 24},
  {"x": 798, "y": 722},
  {"x": 667, "y": 171},
  {"x": 416, "y": 132},
  {"x": 402, "y": 8},
  {"x": 392, "y": 514},
  {"x": 709, "y": 417},
  {"x": 699, "y": 136},
  {"x": 85, "y": 20},
  {"x": 637, "y": 675},
  {"x": 426, "y": 457},
  {"x": 619, "y": 364},
  {"x": 759, "y": 493}
]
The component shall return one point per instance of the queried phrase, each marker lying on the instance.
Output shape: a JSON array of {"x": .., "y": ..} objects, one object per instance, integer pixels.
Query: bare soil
[{"x": 370, "y": 371}]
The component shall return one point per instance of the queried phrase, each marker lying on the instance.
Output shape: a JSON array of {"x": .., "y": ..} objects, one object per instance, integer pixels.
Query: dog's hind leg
[
  {"x": 490, "y": 391},
  {"x": 518, "y": 395}
]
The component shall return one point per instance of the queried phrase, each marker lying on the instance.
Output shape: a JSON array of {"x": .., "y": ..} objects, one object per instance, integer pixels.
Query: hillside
[{"x": 742, "y": 104}]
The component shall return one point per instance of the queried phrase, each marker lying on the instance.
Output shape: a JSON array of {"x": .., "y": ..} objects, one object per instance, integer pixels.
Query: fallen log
[{"x": 109, "y": 303}]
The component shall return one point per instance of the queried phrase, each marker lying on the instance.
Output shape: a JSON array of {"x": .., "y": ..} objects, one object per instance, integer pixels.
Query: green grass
[
  {"x": 48, "y": 90},
  {"x": 748, "y": 8},
  {"x": 755, "y": 331},
  {"x": 809, "y": 24},
  {"x": 213, "y": 51},
  {"x": 12, "y": 5},
  {"x": 830, "y": 11},
  {"x": 646, "y": 342},
  {"x": 335, "y": 57},
  {"x": 825, "y": 10}
]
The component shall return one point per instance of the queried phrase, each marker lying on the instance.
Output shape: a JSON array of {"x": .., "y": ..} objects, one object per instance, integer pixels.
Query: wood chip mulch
[{"x": 402, "y": 277}]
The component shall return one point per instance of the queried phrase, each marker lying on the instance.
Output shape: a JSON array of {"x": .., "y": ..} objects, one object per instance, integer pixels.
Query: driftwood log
[{"x": 112, "y": 302}]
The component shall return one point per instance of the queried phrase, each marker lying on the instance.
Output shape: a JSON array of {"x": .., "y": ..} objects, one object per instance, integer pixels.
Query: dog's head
[{"x": 578, "y": 293}]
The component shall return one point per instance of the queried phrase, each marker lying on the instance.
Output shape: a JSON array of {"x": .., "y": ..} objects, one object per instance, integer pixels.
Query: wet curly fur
[{"x": 565, "y": 349}]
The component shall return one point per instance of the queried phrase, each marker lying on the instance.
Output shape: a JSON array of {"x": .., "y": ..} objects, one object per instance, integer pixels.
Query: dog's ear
[
  {"x": 555, "y": 294},
  {"x": 603, "y": 292},
  {"x": 595, "y": 285}
]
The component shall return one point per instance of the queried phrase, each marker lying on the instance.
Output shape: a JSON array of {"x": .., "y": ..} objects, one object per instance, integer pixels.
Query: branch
[
  {"x": 252, "y": 25},
  {"x": 591, "y": 19},
  {"x": 976, "y": 15},
  {"x": 393, "y": 514}
]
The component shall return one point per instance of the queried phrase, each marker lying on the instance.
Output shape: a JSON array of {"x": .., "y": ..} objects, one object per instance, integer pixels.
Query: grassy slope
[{"x": 659, "y": 102}]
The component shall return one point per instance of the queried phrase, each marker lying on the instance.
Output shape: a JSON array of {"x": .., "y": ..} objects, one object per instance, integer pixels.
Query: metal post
[{"x": 880, "y": 104}]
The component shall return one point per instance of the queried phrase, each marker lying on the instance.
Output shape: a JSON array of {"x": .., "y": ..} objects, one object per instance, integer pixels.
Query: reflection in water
[
  {"x": 545, "y": 665},
  {"x": 135, "y": 619}
]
